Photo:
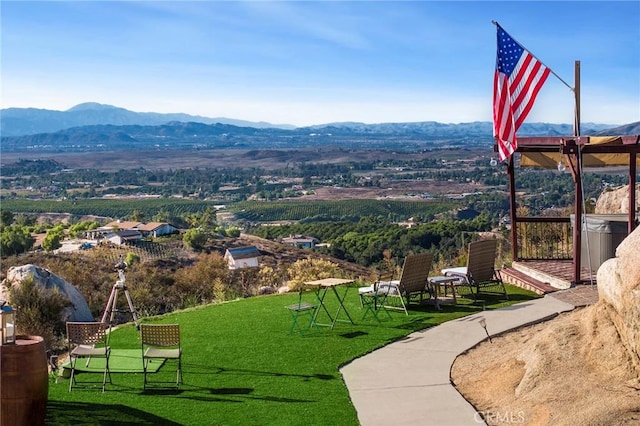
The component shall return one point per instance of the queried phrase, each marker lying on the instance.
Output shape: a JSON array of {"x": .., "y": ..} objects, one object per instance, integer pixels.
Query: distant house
[
  {"x": 110, "y": 228},
  {"x": 124, "y": 237},
  {"x": 242, "y": 257},
  {"x": 300, "y": 241},
  {"x": 122, "y": 225},
  {"x": 153, "y": 229},
  {"x": 156, "y": 229}
]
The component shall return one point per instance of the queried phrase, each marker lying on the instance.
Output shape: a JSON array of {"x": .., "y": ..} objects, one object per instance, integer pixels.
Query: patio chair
[
  {"x": 88, "y": 340},
  {"x": 412, "y": 282},
  {"x": 373, "y": 299},
  {"x": 480, "y": 275},
  {"x": 299, "y": 310},
  {"x": 161, "y": 342}
]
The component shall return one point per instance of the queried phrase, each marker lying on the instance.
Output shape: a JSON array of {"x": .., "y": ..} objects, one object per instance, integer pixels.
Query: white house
[
  {"x": 300, "y": 241},
  {"x": 126, "y": 236},
  {"x": 110, "y": 228},
  {"x": 153, "y": 229},
  {"x": 242, "y": 257},
  {"x": 156, "y": 229}
]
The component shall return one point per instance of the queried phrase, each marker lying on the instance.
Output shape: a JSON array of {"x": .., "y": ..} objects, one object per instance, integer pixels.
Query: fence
[{"x": 544, "y": 238}]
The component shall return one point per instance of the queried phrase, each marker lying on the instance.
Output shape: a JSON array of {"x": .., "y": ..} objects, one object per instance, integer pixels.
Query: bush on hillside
[{"x": 39, "y": 312}]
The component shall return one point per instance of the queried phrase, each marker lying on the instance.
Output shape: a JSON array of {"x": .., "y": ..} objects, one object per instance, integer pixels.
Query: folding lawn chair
[
  {"x": 299, "y": 310},
  {"x": 161, "y": 342},
  {"x": 88, "y": 340}
]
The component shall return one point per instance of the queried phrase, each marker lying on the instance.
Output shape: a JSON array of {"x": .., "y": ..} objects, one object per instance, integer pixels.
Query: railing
[{"x": 544, "y": 238}]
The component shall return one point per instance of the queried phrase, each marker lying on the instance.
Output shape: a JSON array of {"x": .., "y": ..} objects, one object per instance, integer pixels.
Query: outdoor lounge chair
[
  {"x": 480, "y": 275},
  {"x": 412, "y": 284},
  {"x": 161, "y": 342},
  {"x": 88, "y": 340}
]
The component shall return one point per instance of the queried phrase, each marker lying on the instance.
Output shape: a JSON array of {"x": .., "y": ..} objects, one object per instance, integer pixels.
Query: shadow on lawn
[
  {"x": 66, "y": 413},
  {"x": 207, "y": 369},
  {"x": 236, "y": 395}
]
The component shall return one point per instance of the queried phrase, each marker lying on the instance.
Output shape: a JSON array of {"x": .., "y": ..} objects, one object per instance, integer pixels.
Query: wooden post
[
  {"x": 572, "y": 159},
  {"x": 577, "y": 229},
  {"x": 632, "y": 192},
  {"x": 512, "y": 210},
  {"x": 576, "y": 92},
  {"x": 577, "y": 177}
]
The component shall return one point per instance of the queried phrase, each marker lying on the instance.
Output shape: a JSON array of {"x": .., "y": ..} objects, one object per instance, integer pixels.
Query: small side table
[{"x": 436, "y": 282}]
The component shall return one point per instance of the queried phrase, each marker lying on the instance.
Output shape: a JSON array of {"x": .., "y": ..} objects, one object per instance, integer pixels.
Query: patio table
[
  {"x": 322, "y": 287},
  {"x": 436, "y": 282}
]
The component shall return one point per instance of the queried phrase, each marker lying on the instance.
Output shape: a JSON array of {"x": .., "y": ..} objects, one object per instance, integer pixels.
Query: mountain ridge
[
  {"x": 182, "y": 131},
  {"x": 31, "y": 121}
]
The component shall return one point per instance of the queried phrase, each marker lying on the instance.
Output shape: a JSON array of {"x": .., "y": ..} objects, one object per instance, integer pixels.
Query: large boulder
[
  {"x": 79, "y": 311},
  {"x": 619, "y": 288},
  {"x": 616, "y": 201}
]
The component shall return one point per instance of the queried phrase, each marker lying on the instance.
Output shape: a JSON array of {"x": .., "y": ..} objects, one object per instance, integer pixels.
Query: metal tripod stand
[{"x": 111, "y": 308}]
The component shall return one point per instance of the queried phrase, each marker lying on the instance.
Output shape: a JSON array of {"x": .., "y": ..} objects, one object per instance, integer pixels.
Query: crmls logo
[{"x": 506, "y": 417}]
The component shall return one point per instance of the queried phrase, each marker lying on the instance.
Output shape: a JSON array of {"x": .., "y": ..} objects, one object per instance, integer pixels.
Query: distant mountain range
[
  {"x": 92, "y": 126},
  {"x": 31, "y": 121}
]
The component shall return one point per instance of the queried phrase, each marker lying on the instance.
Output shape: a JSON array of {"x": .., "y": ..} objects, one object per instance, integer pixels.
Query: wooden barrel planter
[{"x": 24, "y": 382}]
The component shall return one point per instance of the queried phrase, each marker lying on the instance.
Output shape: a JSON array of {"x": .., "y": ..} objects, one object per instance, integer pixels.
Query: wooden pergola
[{"x": 576, "y": 152}]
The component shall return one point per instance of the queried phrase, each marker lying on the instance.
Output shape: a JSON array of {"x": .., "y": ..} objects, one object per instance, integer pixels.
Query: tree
[
  {"x": 14, "y": 240},
  {"x": 77, "y": 228},
  {"x": 52, "y": 241},
  {"x": 208, "y": 218},
  {"x": 162, "y": 215},
  {"x": 195, "y": 238},
  {"x": 53, "y": 238},
  {"x": 137, "y": 215},
  {"x": 233, "y": 232},
  {"x": 6, "y": 218}
]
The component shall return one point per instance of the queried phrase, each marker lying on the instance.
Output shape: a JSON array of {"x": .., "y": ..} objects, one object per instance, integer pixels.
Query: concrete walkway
[{"x": 408, "y": 383}]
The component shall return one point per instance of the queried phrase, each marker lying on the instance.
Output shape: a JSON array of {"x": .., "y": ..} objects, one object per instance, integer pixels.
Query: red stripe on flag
[{"x": 513, "y": 99}]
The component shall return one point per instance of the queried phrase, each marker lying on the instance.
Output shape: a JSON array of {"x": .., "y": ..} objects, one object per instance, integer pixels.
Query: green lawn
[{"x": 242, "y": 367}]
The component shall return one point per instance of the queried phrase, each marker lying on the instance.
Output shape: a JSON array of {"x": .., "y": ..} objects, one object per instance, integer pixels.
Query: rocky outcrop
[
  {"x": 616, "y": 201},
  {"x": 619, "y": 288},
  {"x": 79, "y": 311}
]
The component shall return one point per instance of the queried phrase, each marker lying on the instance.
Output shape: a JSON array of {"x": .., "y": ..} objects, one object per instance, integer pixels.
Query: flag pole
[
  {"x": 552, "y": 71},
  {"x": 576, "y": 92}
]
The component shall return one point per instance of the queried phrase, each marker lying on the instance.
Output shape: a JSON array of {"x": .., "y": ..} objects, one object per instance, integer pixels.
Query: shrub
[
  {"x": 39, "y": 312},
  {"x": 132, "y": 259},
  {"x": 311, "y": 269},
  {"x": 195, "y": 284},
  {"x": 195, "y": 239}
]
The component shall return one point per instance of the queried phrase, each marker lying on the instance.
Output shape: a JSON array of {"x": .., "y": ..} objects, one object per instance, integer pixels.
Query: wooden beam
[
  {"x": 574, "y": 166},
  {"x": 512, "y": 210},
  {"x": 632, "y": 192}
]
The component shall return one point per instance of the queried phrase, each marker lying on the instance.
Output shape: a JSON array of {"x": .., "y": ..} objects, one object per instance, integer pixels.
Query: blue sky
[{"x": 316, "y": 62}]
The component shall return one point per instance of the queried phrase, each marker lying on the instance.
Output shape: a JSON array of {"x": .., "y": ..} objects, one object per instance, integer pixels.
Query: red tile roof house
[
  {"x": 153, "y": 229},
  {"x": 110, "y": 228},
  {"x": 242, "y": 257},
  {"x": 117, "y": 224}
]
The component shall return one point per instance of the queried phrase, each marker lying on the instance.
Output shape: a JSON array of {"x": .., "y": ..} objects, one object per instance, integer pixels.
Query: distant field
[
  {"x": 112, "y": 208},
  {"x": 333, "y": 210},
  {"x": 224, "y": 158},
  {"x": 255, "y": 211}
]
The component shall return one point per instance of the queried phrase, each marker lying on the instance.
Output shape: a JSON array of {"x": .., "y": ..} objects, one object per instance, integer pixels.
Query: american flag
[{"x": 518, "y": 78}]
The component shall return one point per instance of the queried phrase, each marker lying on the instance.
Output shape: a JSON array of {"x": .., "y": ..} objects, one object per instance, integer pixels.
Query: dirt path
[{"x": 572, "y": 370}]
